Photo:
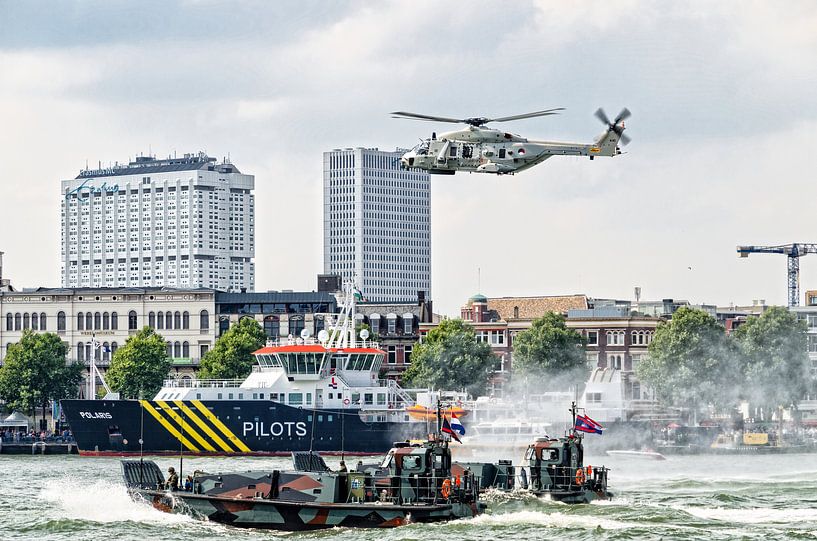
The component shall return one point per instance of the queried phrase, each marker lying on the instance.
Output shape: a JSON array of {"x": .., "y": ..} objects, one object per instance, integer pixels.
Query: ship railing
[
  {"x": 312, "y": 341},
  {"x": 399, "y": 392},
  {"x": 426, "y": 489},
  {"x": 203, "y": 383}
]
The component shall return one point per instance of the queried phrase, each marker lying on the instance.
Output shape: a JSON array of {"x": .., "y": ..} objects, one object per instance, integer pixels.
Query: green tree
[
  {"x": 549, "y": 351},
  {"x": 35, "y": 373},
  {"x": 232, "y": 356},
  {"x": 451, "y": 358},
  {"x": 690, "y": 362},
  {"x": 774, "y": 359},
  {"x": 139, "y": 367}
]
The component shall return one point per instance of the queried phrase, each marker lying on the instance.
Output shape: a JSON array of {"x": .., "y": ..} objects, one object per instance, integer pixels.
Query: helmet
[{"x": 171, "y": 469}]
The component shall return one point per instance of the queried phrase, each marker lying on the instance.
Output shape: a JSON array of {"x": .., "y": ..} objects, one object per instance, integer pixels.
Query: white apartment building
[
  {"x": 185, "y": 318},
  {"x": 181, "y": 222},
  {"x": 377, "y": 224}
]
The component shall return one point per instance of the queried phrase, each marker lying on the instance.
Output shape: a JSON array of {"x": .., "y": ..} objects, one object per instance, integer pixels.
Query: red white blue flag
[
  {"x": 586, "y": 424},
  {"x": 456, "y": 425},
  {"x": 446, "y": 429}
]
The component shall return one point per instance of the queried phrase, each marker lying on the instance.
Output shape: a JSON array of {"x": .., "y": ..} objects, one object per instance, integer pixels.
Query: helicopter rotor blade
[
  {"x": 623, "y": 115},
  {"x": 600, "y": 114},
  {"x": 429, "y": 118},
  {"x": 624, "y": 140},
  {"x": 546, "y": 112}
]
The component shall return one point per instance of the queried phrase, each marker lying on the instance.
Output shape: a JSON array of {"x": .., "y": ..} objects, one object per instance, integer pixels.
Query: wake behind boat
[{"x": 650, "y": 455}]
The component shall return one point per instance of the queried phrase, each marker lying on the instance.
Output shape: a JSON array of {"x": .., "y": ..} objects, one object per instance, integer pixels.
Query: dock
[{"x": 38, "y": 448}]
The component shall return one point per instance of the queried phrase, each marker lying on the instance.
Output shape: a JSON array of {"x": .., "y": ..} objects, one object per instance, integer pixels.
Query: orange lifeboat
[{"x": 423, "y": 413}]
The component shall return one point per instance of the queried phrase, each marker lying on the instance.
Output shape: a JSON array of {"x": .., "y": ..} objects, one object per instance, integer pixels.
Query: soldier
[
  {"x": 342, "y": 468},
  {"x": 172, "y": 479}
]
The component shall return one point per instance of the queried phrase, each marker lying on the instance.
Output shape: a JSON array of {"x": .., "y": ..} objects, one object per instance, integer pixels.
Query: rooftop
[
  {"x": 536, "y": 307},
  {"x": 149, "y": 164}
]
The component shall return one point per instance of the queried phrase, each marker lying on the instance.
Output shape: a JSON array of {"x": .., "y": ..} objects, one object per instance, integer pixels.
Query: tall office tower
[
  {"x": 377, "y": 223},
  {"x": 181, "y": 222}
]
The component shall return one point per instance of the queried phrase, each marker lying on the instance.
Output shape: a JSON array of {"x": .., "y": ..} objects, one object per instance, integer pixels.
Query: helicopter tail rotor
[{"x": 617, "y": 124}]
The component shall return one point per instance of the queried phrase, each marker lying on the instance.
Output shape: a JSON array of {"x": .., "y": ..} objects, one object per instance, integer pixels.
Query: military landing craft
[{"x": 478, "y": 149}]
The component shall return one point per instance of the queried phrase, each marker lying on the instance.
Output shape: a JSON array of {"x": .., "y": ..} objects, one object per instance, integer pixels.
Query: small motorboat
[{"x": 414, "y": 483}]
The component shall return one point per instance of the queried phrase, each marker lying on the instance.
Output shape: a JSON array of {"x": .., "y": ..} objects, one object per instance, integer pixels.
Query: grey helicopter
[{"x": 479, "y": 149}]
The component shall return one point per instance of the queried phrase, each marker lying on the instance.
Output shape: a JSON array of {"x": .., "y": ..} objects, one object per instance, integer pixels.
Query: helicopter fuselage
[{"x": 486, "y": 150}]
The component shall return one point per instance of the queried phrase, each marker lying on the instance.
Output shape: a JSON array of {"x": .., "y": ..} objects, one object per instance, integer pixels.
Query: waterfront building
[
  {"x": 179, "y": 222},
  {"x": 185, "y": 318},
  {"x": 377, "y": 224}
]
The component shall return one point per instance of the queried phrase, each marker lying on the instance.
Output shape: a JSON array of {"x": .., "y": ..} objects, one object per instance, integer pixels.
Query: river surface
[{"x": 710, "y": 497}]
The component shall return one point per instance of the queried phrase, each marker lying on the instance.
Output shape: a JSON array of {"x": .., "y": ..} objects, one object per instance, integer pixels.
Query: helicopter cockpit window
[{"x": 467, "y": 151}]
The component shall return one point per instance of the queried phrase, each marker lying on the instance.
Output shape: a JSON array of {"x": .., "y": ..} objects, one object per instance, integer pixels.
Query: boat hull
[
  {"x": 224, "y": 427},
  {"x": 301, "y": 516}
]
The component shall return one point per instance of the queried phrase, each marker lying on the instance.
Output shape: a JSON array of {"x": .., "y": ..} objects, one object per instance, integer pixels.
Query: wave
[
  {"x": 559, "y": 520},
  {"x": 755, "y": 515},
  {"x": 101, "y": 501}
]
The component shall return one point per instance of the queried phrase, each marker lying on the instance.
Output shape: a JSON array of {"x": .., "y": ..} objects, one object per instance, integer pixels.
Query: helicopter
[{"x": 479, "y": 149}]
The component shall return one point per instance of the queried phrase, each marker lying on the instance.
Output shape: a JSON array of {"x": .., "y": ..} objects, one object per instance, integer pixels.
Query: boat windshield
[{"x": 300, "y": 363}]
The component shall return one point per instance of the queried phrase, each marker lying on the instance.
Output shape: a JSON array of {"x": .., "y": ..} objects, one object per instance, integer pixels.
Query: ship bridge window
[
  {"x": 295, "y": 399},
  {"x": 412, "y": 462},
  {"x": 360, "y": 361},
  {"x": 301, "y": 363}
]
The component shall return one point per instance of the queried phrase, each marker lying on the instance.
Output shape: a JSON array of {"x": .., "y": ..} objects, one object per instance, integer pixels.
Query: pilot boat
[
  {"x": 319, "y": 392},
  {"x": 414, "y": 483}
]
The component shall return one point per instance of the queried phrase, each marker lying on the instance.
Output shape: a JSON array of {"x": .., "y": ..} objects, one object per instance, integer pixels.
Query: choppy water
[{"x": 715, "y": 497}]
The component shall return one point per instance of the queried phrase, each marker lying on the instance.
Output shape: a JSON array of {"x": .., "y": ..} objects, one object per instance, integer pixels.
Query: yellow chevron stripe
[
  {"x": 158, "y": 416},
  {"x": 185, "y": 425},
  {"x": 209, "y": 431},
  {"x": 218, "y": 424}
]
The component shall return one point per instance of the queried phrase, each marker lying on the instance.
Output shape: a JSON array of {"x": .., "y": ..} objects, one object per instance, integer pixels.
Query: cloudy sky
[{"x": 723, "y": 127}]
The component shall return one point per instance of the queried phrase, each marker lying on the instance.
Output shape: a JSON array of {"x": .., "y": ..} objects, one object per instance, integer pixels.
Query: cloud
[{"x": 723, "y": 123}]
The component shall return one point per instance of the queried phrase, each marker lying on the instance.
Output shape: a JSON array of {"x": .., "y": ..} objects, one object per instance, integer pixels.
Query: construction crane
[{"x": 793, "y": 253}]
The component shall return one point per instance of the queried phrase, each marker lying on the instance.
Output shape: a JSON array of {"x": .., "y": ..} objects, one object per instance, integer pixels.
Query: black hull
[{"x": 225, "y": 427}]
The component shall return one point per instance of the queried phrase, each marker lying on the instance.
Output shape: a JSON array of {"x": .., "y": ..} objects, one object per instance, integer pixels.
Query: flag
[
  {"x": 446, "y": 429},
  {"x": 586, "y": 424},
  {"x": 456, "y": 425}
]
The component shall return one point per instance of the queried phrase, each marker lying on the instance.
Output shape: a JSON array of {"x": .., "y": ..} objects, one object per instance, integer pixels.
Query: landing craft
[{"x": 478, "y": 149}]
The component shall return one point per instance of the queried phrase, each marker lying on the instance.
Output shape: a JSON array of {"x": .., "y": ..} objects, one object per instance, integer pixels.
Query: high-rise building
[
  {"x": 377, "y": 223},
  {"x": 182, "y": 222}
]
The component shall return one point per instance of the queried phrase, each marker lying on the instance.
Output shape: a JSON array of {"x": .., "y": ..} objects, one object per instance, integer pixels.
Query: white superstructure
[
  {"x": 377, "y": 224},
  {"x": 182, "y": 222}
]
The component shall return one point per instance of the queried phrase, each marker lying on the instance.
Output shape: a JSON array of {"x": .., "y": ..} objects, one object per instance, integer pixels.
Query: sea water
[{"x": 686, "y": 497}]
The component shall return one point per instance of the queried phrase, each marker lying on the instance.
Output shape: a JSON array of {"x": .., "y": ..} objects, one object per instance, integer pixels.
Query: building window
[
  {"x": 169, "y": 320},
  {"x": 203, "y": 349},
  {"x": 35, "y": 322},
  {"x": 26, "y": 321},
  {"x": 615, "y": 361},
  {"x": 497, "y": 338},
  {"x": 80, "y": 322},
  {"x": 615, "y": 338},
  {"x": 516, "y": 312},
  {"x": 407, "y": 354},
  {"x": 132, "y": 323},
  {"x": 592, "y": 338},
  {"x": 160, "y": 321},
  {"x": 223, "y": 325},
  {"x": 272, "y": 327},
  {"x": 204, "y": 320},
  {"x": 43, "y": 326},
  {"x": 60, "y": 321},
  {"x": 152, "y": 320},
  {"x": 9, "y": 322},
  {"x": 482, "y": 336},
  {"x": 391, "y": 323},
  {"x": 177, "y": 320},
  {"x": 80, "y": 351},
  {"x": 169, "y": 349},
  {"x": 89, "y": 321},
  {"x": 392, "y": 355},
  {"x": 186, "y": 350},
  {"x": 114, "y": 321},
  {"x": 186, "y": 320},
  {"x": 408, "y": 324},
  {"x": 594, "y": 398},
  {"x": 812, "y": 343},
  {"x": 106, "y": 321},
  {"x": 296, "y": 325},
  {"x": 177, "y": 350}
]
